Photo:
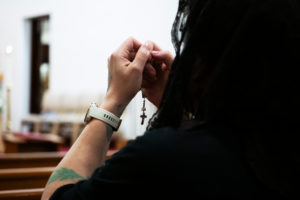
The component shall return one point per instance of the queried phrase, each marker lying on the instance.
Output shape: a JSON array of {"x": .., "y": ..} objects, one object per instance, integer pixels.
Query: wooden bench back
[
  {"x": 24, "y": 178},
  {"x": 22, "y": 160},
  {"x": 23, "y": 194}
]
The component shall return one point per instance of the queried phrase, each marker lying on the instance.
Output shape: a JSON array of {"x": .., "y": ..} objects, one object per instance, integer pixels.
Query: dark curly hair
[{"x": 236, "y": 66}]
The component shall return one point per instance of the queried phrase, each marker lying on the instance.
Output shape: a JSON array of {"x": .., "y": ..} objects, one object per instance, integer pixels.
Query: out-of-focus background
[{"x": 53, "y": 60}]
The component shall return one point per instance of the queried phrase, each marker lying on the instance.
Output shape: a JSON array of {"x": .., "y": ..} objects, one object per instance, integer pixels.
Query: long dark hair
[{"x": 236, "y": 66}]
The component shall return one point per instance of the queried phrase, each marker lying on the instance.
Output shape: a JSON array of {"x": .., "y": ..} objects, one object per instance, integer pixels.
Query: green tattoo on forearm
[{"x": 64, "y": 174}]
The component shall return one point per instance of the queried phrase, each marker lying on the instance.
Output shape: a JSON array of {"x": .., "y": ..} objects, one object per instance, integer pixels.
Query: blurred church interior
[{"x": 53, "y": 64}]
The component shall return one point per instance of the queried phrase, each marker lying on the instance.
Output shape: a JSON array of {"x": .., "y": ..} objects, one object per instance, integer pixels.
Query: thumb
[{"x": 143, "y": 54}]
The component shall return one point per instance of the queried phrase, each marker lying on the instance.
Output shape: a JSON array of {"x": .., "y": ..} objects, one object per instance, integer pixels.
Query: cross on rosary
[{"x": 143, "y": 116}]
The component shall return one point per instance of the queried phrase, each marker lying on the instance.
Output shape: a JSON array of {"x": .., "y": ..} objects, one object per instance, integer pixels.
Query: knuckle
[
  {"x": 135, "y": 68},
  {"x": 130, "y": 38},
  {"x": 143, "y": 53},
  {"x": 113, "y": 56},
  {"x": 168, "y": 53}
]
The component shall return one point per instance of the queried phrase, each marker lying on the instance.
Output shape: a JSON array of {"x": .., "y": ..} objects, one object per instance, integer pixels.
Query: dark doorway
[{"x": 39, "y": 61}]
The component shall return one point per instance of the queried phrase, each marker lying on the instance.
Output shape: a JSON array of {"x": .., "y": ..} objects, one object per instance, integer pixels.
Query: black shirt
[{"x": 167, "y": 162}]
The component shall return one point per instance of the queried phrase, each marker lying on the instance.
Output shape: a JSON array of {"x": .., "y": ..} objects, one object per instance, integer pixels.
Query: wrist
[{"x": 113, "y": 105}]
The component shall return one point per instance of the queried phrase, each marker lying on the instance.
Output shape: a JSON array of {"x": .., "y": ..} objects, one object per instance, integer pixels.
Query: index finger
[{"x": 155, "y": 47}]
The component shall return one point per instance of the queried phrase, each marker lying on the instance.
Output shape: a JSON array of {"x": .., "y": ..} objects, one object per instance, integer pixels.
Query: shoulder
[
  {"x": 177, "y": 149},
  {"x": 201, "y": 157},
  {"x": 153, "y": 144},
  {"x": 168, "y": 142},
  {"x": 200, "y": 141},
  {"x": 167, "y": 136}
]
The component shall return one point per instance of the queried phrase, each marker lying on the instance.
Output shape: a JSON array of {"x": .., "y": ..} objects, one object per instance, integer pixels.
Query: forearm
[
  {"x": 86, "y": 154},
  {"x": 89, "y": 150}
]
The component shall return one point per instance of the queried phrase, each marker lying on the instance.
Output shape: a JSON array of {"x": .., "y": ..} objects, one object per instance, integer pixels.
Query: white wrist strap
[{"x": 105, "y": 116}]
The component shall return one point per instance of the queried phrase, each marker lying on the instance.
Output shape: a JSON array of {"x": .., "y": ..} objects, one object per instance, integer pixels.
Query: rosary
[{"x": 143, "y": 116}]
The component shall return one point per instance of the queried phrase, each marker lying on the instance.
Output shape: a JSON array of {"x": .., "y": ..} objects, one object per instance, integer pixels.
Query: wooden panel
[
  {"x": 33, "y": 142},
  {"x": 41, "y": 159},
  {"x": 24, "y": 178},
  {"x": 22, "y": 160},
  {"x": 23, "y": 194}
]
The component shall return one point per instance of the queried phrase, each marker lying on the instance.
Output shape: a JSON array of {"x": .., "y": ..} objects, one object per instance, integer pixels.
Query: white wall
[{"x": 83, "y": 34}]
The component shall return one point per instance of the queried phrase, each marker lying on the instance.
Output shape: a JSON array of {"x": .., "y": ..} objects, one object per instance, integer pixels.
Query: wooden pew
[
  {"x": 18, "y": 142},
  {"x": 29, "y": 177},
  {"x": 24, "y": 178},
  {"x": 23, "y": 194},
  {"x": 23, "y": 160},
  {"x": 41, "y": 159},
  {"x": 14, "y": 183}
]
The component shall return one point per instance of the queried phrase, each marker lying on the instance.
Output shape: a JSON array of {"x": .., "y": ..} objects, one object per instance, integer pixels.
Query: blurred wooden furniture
[
  {"x": 31, "y": 142},
  {"x": 22, "y": 194},
  {"x": 39, "y": 159},
  {"x": 62, "y": 114},
  {"x": 68, "y": 126},
  {"x": 36, "y": 159},
  {"x": 24, "y": 178},
  {"x": 28, "y": 177}
]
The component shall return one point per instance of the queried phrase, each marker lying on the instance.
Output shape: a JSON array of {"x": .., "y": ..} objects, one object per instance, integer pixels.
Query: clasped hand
[{"x": 134, "y": 67}]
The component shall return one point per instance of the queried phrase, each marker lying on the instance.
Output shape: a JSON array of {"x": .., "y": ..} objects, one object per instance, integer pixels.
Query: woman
[{"x": 227, "y": 112}]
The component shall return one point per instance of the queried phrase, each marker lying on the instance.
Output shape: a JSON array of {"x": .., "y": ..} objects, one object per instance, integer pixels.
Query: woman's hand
[
  {"x": 156, "y": 74},
  {"x": 125, "y": 67}
]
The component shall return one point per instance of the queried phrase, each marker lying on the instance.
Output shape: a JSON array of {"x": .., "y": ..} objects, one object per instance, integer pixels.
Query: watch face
[{"x": 87, "y": 118}]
